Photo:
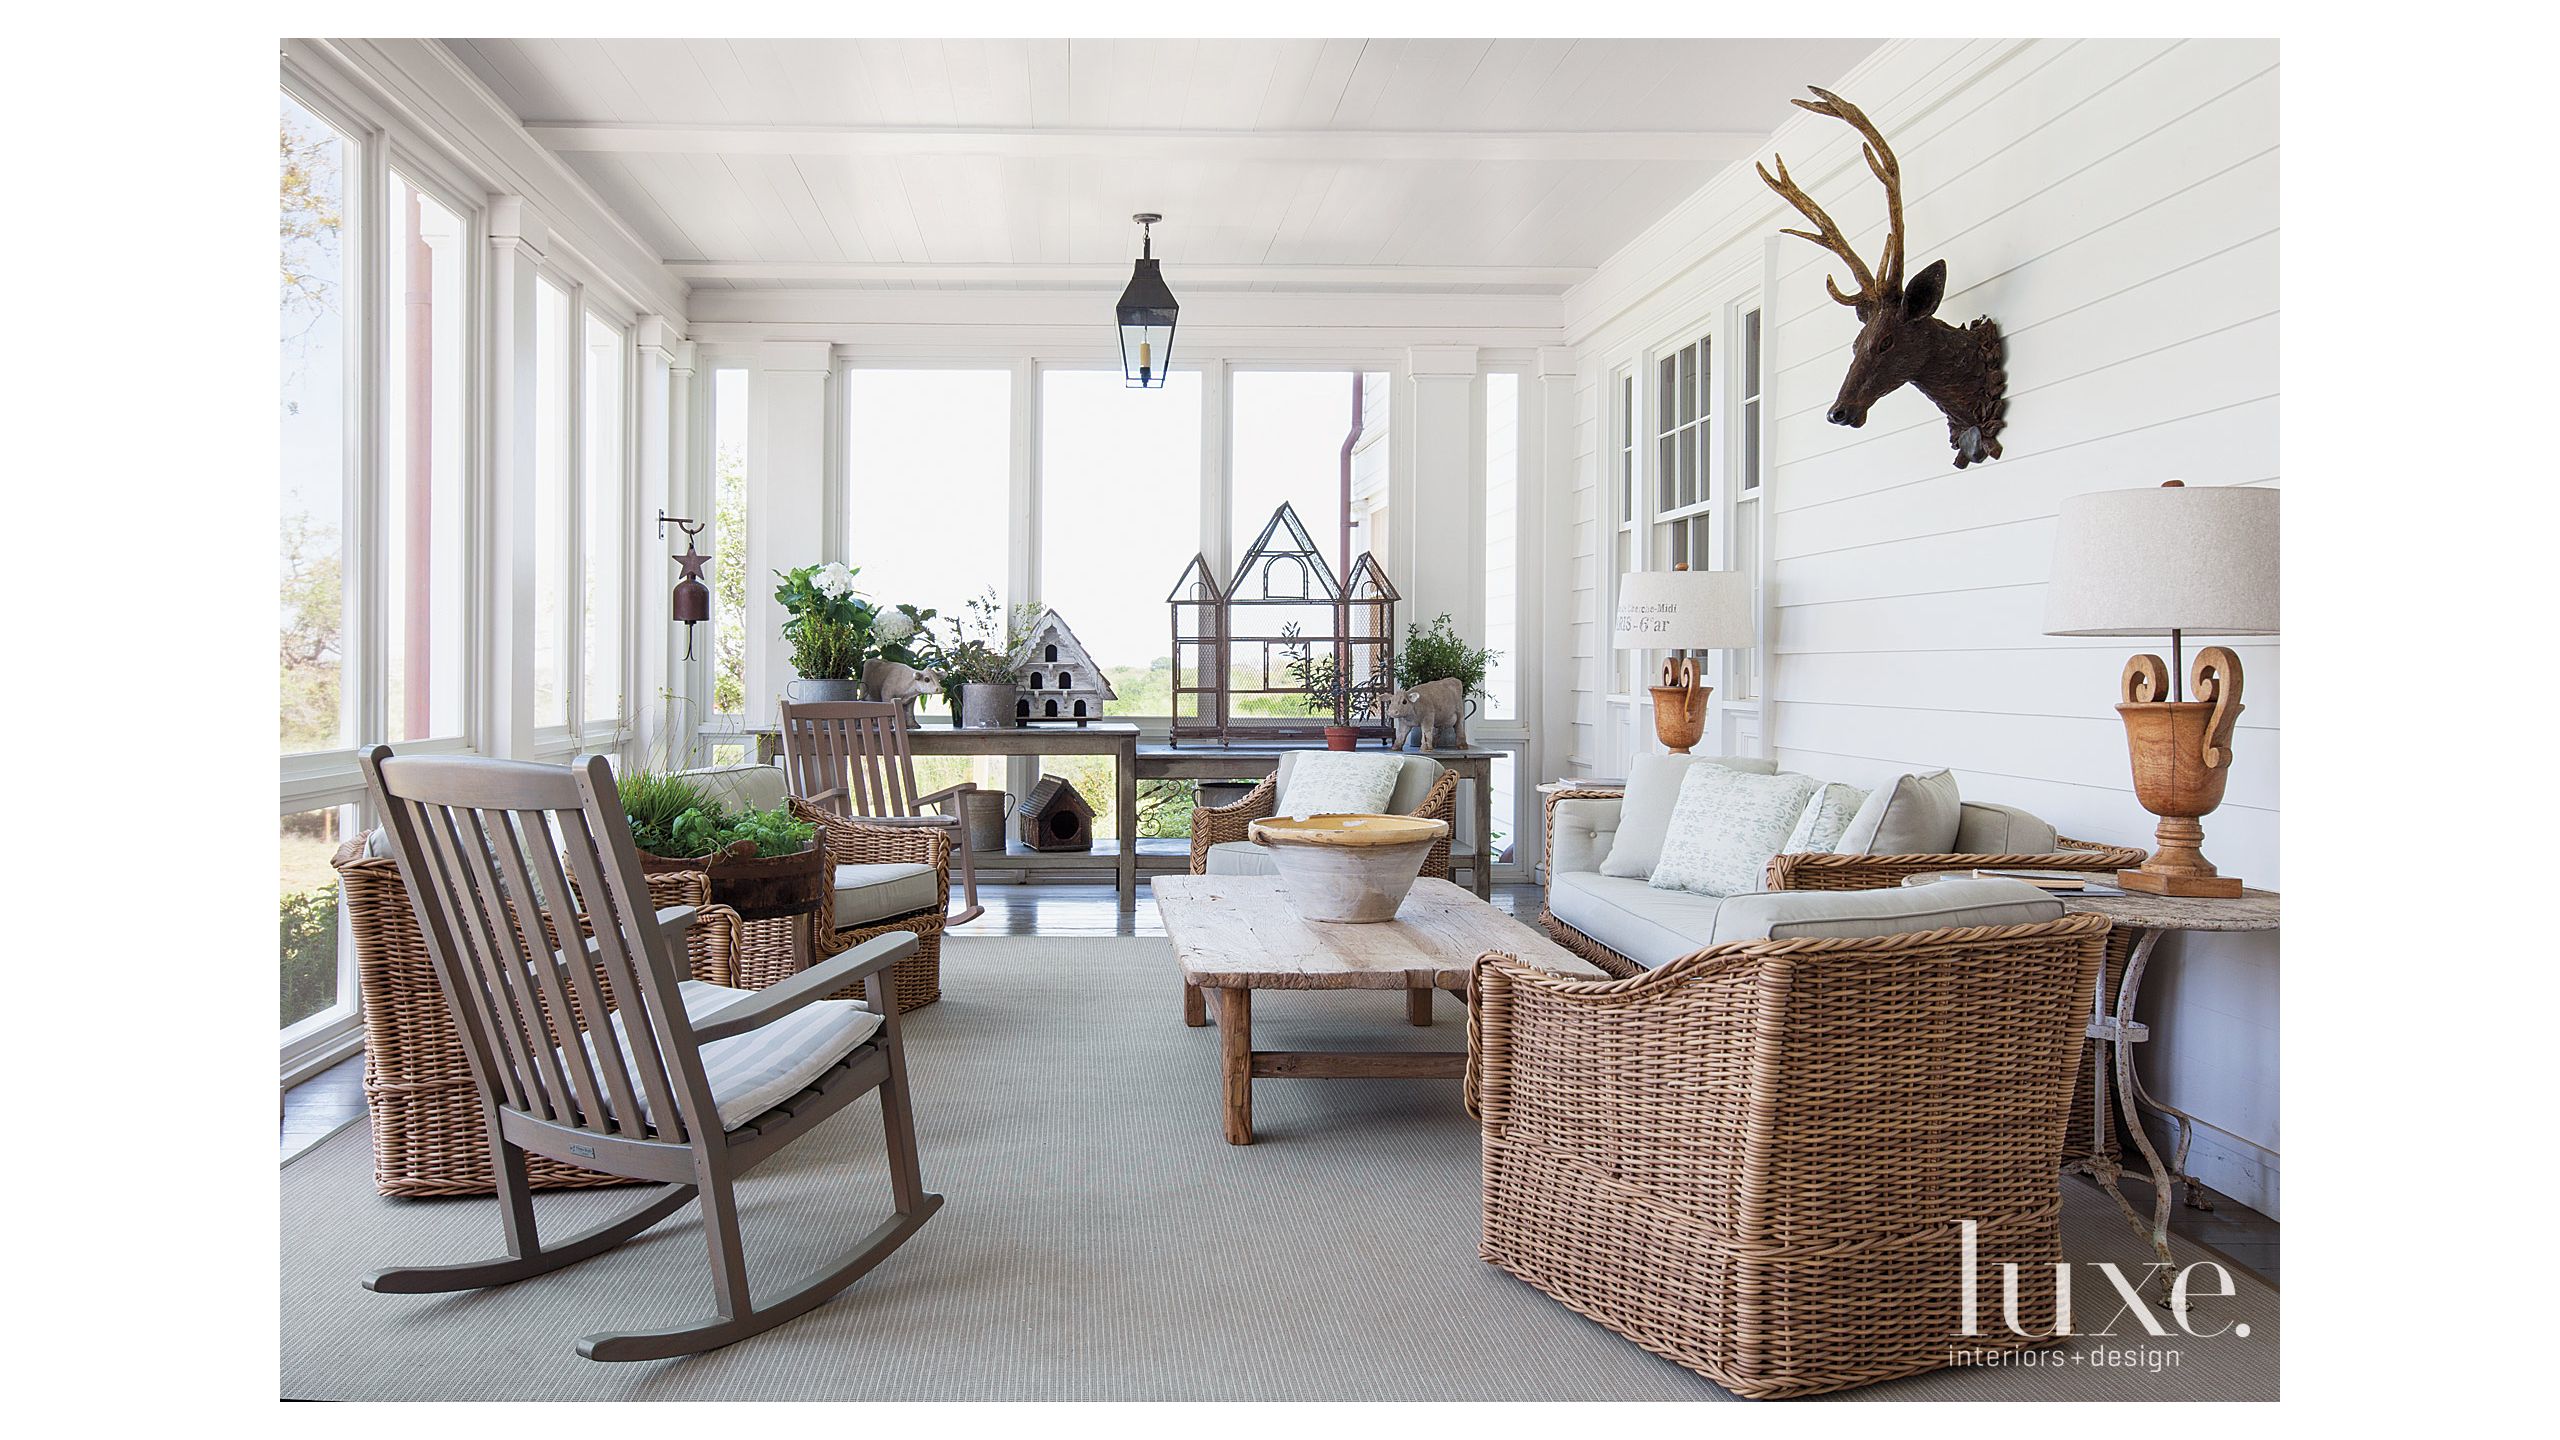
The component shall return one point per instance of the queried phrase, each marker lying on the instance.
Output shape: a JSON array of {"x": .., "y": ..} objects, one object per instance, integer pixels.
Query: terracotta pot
[{"x": 1341, "y": 737}]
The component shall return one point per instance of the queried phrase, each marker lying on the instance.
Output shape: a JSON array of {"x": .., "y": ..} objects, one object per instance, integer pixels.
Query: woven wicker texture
[
  {"x": 429, "y": 1137},
  {"x": 1753, "y": 1160},
  {"x": 917, "y": 980},
  {"x": 1219, "y": 824}
]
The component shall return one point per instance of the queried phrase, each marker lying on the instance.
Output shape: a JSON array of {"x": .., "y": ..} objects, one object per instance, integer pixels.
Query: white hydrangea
[
  {"x": 893, "y": 626},
  {"x": 833, "y": 580}
]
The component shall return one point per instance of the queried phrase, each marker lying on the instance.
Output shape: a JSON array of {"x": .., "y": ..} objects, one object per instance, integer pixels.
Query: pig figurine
[
  {"x": 904, "y": 684},
  {"x": 1427, "y": 707}
]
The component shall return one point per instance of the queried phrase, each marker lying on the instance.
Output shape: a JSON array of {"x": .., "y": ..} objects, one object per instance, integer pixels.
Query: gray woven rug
[{"x": 1100, "y": 1241}]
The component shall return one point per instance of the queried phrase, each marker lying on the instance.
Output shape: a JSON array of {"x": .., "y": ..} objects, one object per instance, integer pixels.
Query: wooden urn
[
  {"x": 1348, "y": 869},
  {"x": 2181, "y": 752}
]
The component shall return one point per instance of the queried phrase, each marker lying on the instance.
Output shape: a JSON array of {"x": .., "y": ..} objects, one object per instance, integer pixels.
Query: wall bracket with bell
[{"x": 690, "y": 605}]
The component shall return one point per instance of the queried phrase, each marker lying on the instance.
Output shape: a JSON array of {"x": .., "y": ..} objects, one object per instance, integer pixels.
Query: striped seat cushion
[{"x": 752, "y": 1073}]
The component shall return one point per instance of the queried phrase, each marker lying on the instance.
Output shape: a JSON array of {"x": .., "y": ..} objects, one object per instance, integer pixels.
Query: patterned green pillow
[
  {"x": 1826, "y": 816},
  {"x": 1338, "y": 782},
  {"x": 1725, "y": 827}
]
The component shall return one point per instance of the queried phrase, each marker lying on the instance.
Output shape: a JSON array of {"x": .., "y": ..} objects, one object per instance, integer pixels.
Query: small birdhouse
[
  {"x": 1055, "y": 817},
  {"x": 1054, "y": 677}
]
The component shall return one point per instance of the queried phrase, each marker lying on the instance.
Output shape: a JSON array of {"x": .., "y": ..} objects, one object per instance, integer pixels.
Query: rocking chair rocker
[{"x": 611, "y": 1060}]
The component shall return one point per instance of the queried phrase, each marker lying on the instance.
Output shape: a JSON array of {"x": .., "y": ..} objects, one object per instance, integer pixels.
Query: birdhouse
[
  {"x": 1054, "y": 677},
  {"x": 1055, "y": 817}
]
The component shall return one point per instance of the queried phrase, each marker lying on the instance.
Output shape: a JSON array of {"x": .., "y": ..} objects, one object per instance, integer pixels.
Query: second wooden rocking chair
[{"x": 606, "y": 1056}]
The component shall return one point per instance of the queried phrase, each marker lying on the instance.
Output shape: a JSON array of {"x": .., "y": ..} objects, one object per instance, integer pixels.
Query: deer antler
[{"x": 1886, "y": 283}]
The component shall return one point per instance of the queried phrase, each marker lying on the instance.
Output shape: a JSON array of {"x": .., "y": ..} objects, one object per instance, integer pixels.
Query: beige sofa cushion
[
  {"x": 1581, "y": 832},
  {"x": 1825, "y": 914},
  {"x": 865, "y": 893},
  {"x": 1987, "y": 829},
  {"x": 1908, "y": 815},
  {"x": 1650, "y": 927},
  {"x": 1240, "y": 857},
  {"x": 1644, "y": 816}
]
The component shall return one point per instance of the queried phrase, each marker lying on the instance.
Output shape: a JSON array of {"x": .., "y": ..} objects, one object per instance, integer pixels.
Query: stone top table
[{"x": 1236, "y": 934}]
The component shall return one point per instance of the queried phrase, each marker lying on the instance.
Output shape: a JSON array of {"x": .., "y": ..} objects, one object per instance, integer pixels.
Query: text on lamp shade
[{"x": 1638, "y": 619}]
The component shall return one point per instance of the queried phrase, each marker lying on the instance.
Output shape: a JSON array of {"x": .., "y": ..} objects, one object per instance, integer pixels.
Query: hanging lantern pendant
[{"x": 1146, "y": 312}]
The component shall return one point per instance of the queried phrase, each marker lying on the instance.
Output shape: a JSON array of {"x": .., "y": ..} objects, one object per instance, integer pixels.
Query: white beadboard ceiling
[{"x": 1449, "y": 166}]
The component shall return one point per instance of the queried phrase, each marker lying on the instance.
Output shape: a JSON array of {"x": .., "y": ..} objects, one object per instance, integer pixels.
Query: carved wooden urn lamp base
[
  {"x": 1680, "y": 705},
  {"x": 1683, "y": 611},
  {"x": 2181, "y": 761},
  {"x": 2169, "y": 561}
]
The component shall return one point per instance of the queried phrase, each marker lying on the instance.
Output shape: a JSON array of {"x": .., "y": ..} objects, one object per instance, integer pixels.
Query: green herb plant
[{"x": 1439, "y": 654}]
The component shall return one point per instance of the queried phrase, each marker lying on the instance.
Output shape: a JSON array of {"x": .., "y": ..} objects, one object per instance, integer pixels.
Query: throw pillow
[
  {"x": 1912, "y": 815},
  {"x": 1826, "y": 817},
  {"x": 1726, "y": 827},
  {"x": 1644, "y": 814},
  {"x": 1339, "y": 782}
]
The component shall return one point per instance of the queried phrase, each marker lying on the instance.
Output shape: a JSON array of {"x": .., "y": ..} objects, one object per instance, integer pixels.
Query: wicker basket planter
[{"x": 428, "y": 1134}]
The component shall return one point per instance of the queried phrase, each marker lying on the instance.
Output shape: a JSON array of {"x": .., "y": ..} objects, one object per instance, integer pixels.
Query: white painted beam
[
  {"x": 1193, "y": 145},
  {"x": 1549, "y": 279}
]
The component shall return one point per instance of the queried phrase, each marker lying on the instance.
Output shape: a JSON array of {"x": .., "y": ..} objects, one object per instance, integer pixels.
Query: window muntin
[
  {"x": 1622, "y": 663},
  {"x": 423, "y": 512},
  {"x": 1120, "y": 494},
  {"x": 553, "y": 367},
  {"x": 316, "y": 250},
  {"x": 601, "y": 528}
]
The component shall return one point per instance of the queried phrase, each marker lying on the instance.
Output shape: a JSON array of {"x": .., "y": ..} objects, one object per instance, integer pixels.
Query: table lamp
[
  {"x": 2170, "y": 561},
  {"x": 1682, "y": 611}
]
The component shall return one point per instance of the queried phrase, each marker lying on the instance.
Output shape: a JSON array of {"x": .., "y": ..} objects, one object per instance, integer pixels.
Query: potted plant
[
  {"x": 1441, "y": 654},
  {"x": 835, "y": 631},
  {"x": 977, "y": 671},
  {"x": 1325, "y": 690},
  {"x": 761, "y": 862}
]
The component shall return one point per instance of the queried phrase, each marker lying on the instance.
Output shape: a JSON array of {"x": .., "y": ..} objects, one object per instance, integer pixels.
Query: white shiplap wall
[{"x": 2114, "y": 205}]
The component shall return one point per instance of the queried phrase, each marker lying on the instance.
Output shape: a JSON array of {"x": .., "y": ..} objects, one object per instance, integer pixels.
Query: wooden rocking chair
[
  {"x": 849, "y": 760},
  {"x": 612, "y": 1060}
]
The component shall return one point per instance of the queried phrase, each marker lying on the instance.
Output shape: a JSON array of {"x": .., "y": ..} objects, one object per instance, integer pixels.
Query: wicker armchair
[
  {"x": 429, "y": 1136},
  {"x": 917, "y": 980},
  {"x": 1754, "y": 1161},
  {"x": 1224, "y": 823}
]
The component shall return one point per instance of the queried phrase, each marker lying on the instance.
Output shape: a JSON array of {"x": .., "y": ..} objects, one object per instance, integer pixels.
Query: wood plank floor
[{"x": 316, "y": 1108}]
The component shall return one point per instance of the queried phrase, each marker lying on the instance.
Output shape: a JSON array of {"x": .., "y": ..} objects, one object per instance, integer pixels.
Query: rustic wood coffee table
[{"x": 1237, "y": 934}]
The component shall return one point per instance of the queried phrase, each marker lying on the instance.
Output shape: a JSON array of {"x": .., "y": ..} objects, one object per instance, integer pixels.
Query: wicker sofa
[
  {"x": 1221, "y": 843},
  {"x": 1755, "y": 1160}
]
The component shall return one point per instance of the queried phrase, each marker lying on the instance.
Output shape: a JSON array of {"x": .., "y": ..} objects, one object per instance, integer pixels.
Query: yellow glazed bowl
[{"x": 1348, "y": 869}]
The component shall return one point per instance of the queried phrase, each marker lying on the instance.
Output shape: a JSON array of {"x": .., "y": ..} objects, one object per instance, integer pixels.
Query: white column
[
  {"x": 1438, "y": 533},
  {"x": 1546, "y": 570},
  {"x": 786, "y": 506},
  {"x": 656, "y": 647},
  {"x": 504, "y": 724}
]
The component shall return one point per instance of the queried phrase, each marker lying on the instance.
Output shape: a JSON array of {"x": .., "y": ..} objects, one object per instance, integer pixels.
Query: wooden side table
[{"x": 2149, "y": 917}]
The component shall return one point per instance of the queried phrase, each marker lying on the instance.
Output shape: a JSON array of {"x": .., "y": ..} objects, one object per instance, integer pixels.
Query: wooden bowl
[{"x": 1348, "y": 869}]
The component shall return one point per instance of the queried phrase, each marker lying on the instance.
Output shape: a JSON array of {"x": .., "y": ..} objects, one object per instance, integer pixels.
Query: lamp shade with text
[{"x": 1684, "y": 610}]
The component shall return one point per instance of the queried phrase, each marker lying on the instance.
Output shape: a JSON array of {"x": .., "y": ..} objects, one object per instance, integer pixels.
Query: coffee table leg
[
  {"x": 1417, "y": 1005},
  {"x": 1235, "y": 1062},
  {"x": 1195, "y": 1007}
]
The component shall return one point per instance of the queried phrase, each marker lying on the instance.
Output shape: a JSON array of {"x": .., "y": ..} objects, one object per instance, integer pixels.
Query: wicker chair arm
[
  {"x": 1219, "y": 824},
  {"x": 1877, "y": 872},
  {"x": 1559, "y": 1044},
  {"x": 1440, "y": 803},
  {"x": 862, "y": 842}
]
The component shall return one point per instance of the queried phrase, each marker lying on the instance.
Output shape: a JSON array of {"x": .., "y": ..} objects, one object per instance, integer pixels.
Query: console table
[{"x": 2149, "y": 917}]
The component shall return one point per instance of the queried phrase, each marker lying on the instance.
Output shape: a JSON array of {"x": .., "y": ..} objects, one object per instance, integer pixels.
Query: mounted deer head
[{"x": 1902, "y": 340}]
